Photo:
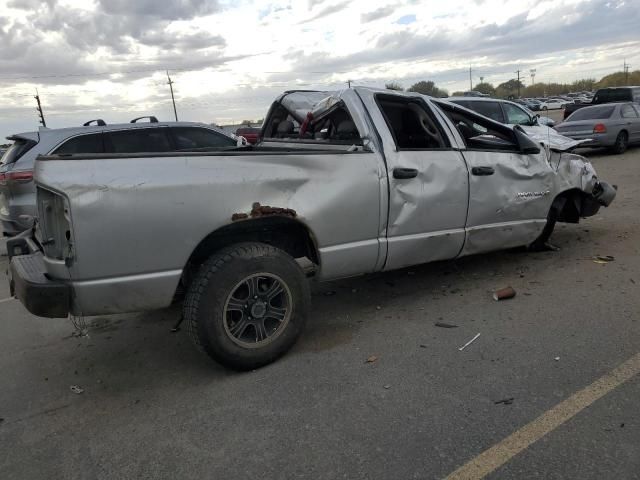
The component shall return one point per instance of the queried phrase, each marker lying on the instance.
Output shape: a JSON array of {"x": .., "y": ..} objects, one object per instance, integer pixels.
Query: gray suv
[
  {"x": 17, "y": 189},
  {"x": 503, "y": 111}
]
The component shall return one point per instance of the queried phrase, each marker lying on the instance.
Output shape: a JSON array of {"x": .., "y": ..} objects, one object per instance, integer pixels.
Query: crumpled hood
[{"x": 551, "y": 139}]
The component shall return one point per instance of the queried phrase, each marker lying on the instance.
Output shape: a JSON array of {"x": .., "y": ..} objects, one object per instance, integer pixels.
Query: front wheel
[
  {"x": 247, "y": 305},
  {"x": 622, "y": 142},
  {"x": 542, "y": 242}
]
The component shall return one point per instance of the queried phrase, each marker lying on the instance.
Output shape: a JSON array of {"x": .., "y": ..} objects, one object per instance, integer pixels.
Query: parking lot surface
[{"x": 153, "y": 407}]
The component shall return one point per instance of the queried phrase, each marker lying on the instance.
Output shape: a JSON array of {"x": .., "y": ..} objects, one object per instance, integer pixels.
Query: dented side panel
[{"x": 140, "y": 219}]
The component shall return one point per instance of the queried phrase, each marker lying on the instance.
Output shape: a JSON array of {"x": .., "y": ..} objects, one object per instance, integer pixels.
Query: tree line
[{"x": 514, "y": 88}]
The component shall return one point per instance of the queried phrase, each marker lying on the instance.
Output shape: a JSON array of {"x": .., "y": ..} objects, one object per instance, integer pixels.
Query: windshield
[
  {"x": 592, "y": 113},
  {"x": 15, "y": 151}
]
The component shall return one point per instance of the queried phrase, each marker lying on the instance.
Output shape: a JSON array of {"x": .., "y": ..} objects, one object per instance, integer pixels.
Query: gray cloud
[
  {"x": 562, "y": 29},
  {"x": 121, "y": 27},
  {"x": 377, "y": 14},
  {"x": 165, "y": 9},
  {"x": 328, "y": 10}
]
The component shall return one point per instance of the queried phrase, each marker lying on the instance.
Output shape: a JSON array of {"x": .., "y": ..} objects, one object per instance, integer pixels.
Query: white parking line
[
  {"x": 7, "y": 299},
  {"x": 496, "y": 456}
]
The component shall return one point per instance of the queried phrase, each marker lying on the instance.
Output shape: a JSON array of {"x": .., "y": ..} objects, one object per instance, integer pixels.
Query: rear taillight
[
  {"x": 599, "y": 128},
  {"x": 25, "y": 176}
]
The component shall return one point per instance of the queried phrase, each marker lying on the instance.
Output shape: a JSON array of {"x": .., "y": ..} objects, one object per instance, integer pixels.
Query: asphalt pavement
[{"x": 537, "y": 395}]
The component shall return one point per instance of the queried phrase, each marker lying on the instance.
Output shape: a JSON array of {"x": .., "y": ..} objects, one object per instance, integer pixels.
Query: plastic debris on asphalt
[
  {"x": 371, "y": 359},
  {"x": 603, "y": 259},
  {"x": 469, "y": 342},
  {"x": 76, "y": 389}
]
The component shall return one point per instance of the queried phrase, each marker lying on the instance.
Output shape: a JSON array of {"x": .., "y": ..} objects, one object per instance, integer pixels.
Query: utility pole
[
  {"x": 626, "y": 72},
  {"x": 349, "y": 83},
  {"x": 170, "y": 83},
  {"x": 518, "y": 72},
  {"x": 532, "y": 72},
  {"x": 470, "y": 81},
  {"x": 39, "y": 109}
]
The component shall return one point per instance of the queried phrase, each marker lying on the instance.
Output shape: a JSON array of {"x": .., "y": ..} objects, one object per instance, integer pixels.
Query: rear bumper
[{"x": 29, "y": 283}]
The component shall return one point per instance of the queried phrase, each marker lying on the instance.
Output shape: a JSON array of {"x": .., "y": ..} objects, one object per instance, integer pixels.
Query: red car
[{"x": 252, "y": 134}]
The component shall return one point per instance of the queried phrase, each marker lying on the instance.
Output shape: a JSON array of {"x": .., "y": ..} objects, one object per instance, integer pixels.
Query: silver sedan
[{"x": 613, "y": 125}]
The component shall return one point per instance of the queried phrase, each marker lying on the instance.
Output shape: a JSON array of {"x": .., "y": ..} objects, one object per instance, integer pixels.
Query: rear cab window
[{"x": 320, "y": 120}]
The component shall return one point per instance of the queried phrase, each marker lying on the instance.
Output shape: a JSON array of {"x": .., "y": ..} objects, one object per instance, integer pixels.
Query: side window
[
  {"x": 515, "y": 115},
  {"x": 627, "y": 111},
  {"x": 194, "y": 138},
  {"x": 480, "y": 133},
  {"x": 140, "y": 140},
  {"x": 636, "y": 95},
  {"x": 491, "y": 110},
  {"x": 412, "y": 125},
  {"x": 82, "y": 144}
]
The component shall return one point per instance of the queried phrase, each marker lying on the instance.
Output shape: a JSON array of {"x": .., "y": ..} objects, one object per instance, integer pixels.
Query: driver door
[{"x": 509, "y": 191}]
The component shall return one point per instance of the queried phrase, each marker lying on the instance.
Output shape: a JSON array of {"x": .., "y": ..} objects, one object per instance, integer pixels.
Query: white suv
[{"x": 17, "y": 190}]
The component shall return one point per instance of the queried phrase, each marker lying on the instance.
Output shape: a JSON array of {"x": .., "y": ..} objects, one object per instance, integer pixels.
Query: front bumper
[{"x": 28, "y": 280}]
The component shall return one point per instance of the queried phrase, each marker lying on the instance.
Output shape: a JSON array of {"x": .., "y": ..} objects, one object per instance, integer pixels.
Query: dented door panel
[{"x": 509, "y": 207}]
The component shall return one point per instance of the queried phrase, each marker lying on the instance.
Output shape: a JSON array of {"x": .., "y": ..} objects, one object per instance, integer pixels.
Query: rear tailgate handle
[
  {"x": 482, "y": 171},
  {"x": 405, "y": 173}
]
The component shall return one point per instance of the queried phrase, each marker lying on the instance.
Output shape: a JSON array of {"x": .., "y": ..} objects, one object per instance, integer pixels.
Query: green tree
[
  {"x": 394, "y": 86},
  {"x": 486, "y": 88},
  {"x": 617, "y": 79},
  {"x": 428, "y": 88},
  {"x": 509, "y": 89}
]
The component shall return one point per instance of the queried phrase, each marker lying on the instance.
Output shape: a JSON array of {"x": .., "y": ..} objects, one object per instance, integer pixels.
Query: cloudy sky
[{"x": 229, "y": 59}]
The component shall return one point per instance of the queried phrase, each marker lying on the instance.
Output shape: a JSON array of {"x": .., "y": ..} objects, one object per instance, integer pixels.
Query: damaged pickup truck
[{"x": 341, "y": 184}]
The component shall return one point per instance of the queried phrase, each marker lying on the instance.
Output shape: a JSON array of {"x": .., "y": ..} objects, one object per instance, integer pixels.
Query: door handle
[
  {"x": 482, "y": 171},
  {"x": 405, "y": 173}
]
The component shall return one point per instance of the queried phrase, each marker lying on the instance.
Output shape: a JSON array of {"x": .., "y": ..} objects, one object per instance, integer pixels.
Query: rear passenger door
[
  {"x": 629, "y": 114},
  {"x": 428, "y": 182}
]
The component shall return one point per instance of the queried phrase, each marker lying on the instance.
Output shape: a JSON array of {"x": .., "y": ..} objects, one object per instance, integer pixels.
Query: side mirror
[{"x": 527, "y": 146}]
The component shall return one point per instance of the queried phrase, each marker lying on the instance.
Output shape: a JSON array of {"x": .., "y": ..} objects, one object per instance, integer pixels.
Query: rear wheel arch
[{"x": 287, "y": 234}]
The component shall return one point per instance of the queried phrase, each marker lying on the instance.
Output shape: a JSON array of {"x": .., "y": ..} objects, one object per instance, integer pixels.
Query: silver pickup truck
[{"x": 341, "y": 184}]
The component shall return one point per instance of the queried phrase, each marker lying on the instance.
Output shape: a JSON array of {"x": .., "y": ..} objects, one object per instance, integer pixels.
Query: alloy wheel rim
[{"x": 257, "y": 310}]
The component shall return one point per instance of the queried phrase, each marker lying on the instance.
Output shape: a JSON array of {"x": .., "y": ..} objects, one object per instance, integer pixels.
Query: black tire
[
  {"x": 622, "y": 142},
  {"x": 540, "y": 243},
  {"x": 223, "y": 328},
  {"x": 545, "y": 108}
]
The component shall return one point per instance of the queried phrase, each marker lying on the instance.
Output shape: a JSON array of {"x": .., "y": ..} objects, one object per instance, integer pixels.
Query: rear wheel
[
  {"x": 247, "y": 305},
  {"x": 622, "y": 142}
]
